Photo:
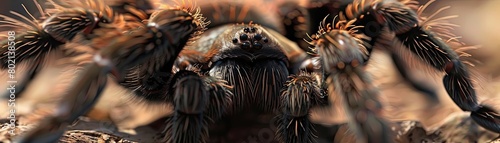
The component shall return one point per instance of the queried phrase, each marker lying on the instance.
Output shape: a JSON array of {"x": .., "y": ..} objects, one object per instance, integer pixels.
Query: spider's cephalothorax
[
  {"x": 241, "y": 69},
  {"x": 252, "y": 61}
]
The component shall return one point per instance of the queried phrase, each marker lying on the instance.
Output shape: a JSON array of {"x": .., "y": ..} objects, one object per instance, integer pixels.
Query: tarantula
[{"x": 214, "y": 69}]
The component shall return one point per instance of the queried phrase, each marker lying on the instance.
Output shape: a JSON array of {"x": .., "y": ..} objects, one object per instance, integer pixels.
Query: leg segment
[
  {"x": 81, "y": 97},
  {"x": 29, "y": 76},
  {"x": 457, "y": 79},
  {"x": 33, "y": 40},
  {"x": 301, "y": 93},
  {"x": 402, "y": 21}
]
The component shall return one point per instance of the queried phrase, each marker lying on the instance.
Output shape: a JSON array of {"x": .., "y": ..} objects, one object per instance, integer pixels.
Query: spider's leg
[
  {"x": 343, "y": 67},
  {"x": 31, "y": 40},
  {"x": 457, "y": 79},
  {"x": 83, "y": 95},
  {"x": 403, "y": 22},
  {"x": 197, "y": 100},
  {"x": 149, "y": 79},
  {"x": 18, "y": 47},
  {"x": 394, "y": 17},
  {"x": 119, "y": 52},
  {"x": 25, "y": 81},
  {"x": 300, "y": 94}
]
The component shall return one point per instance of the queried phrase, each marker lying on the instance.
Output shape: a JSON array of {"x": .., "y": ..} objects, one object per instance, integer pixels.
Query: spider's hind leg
[{"x": 197, "y": 100}]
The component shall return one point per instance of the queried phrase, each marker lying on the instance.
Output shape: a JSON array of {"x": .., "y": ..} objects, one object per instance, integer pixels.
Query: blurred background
[{"x": 478, "y": 20}]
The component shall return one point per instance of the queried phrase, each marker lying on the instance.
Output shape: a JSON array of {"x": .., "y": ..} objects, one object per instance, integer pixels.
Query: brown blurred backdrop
[{"x": 479, "y": 20}]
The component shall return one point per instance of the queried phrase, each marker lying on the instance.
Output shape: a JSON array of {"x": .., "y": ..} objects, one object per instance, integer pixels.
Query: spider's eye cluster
[{"x": 250, "y": 39}]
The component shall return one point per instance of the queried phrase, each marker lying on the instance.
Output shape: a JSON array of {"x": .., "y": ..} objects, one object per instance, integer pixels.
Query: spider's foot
[{"x": 487, "y": 118}]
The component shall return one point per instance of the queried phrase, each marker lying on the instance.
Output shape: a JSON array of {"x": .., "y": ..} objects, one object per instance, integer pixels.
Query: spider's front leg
[
  {"x": 120, "y": 52},
  {"x": 36, "y": 38},
  {"x": 342, "y": 61}
]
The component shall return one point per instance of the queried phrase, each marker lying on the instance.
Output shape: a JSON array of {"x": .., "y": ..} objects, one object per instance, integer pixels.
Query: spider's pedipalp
[
  {"x": 198, "y": 101},
  {"x": 300, "y": 94},
  {"x": 188, "y": 124}
]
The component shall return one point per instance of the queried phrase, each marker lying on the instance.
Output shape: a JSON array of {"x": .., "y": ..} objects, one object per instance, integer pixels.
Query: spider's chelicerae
[{"x": 219, "y": 62}]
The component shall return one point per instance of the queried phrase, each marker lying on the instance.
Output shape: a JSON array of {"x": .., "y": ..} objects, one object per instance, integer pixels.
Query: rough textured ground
[{"x": 458, "y": 128}]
